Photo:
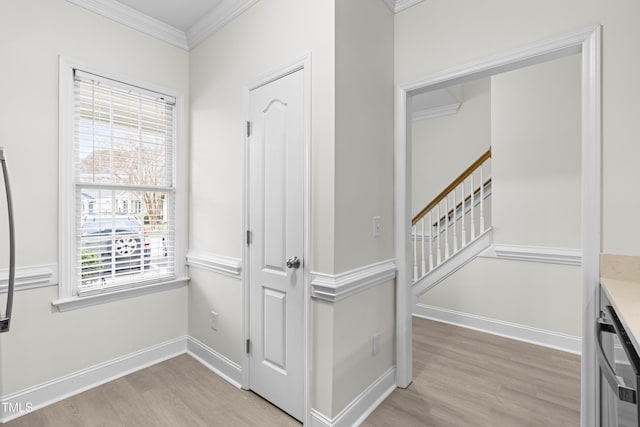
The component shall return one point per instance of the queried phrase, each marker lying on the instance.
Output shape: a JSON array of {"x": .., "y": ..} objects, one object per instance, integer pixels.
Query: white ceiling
[{"x": 183, "y": 23}]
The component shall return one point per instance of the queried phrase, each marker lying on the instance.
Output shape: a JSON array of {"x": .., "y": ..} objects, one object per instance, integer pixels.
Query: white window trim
[{"x": 66, "y": 194}]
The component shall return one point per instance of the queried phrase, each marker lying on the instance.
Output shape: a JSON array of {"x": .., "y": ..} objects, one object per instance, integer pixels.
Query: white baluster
[
  {"x": 438, "y": 252},
  {"x": 473, "y": 221},
  {"x": 423, "y": 269},
  {"x": 414, "y": 230},
  {"x": 464, "y": 208},
  {"x": 455, "y": 230},
  {"x": 481, "y": 199},
  {"x": 446, "y": 227},
  {"x": 430, "y": 241}
]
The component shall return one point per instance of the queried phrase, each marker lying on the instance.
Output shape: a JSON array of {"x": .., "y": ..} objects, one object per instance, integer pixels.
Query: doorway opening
[{"x": 587, "y": 44}]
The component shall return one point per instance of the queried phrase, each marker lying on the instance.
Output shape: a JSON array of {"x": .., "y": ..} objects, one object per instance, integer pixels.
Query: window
[{"x": 121, "y": 227}]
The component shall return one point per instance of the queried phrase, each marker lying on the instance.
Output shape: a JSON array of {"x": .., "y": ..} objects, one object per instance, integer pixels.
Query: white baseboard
[
  {"x": 555, "y": 340},
  {"x": 362, "y": 406},
  {"x": 221, "y": 365},
  {"x": 20, "y": 403}
]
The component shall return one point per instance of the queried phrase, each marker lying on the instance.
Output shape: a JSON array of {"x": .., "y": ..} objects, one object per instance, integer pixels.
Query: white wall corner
[
  {"x": 546, "y": 338},
  {"x": 362, "y": 406},
  {"x": 210, "y": 23},
  {"x": 216, "y": 263},
  {"x": 38, "y": 276},
  {"x": 334, "y": 287},
  {"x": 216, "y": 362},
  {"x": 132, "y": 18},
  {"x": 549, "y": 255}
]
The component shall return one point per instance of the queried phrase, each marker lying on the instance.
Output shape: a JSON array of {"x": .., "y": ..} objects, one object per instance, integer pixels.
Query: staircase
[{"x": 453, "y": 228}]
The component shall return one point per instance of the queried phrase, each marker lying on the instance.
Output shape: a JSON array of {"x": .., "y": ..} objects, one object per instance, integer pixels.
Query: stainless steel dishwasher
[{"x": 619, "y": 370}]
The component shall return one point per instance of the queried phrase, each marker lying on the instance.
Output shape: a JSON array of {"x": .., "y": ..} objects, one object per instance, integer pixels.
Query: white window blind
[{"x": 124, "y": 185}]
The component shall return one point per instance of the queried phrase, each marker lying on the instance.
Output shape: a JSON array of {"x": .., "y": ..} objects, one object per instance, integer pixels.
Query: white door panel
[{"x": 276, "y": 220}]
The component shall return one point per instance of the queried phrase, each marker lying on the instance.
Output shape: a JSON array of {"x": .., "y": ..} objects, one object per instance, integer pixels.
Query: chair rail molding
[
  {"x": 228, "y": 266},
  {"x": 335, "y": 287},
  {"x": 549, "y": 255},
  {"x": 38, "y": 276}
]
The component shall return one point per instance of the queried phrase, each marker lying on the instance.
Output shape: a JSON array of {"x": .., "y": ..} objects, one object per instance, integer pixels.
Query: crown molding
[
  {"x": 210, "y": 23},
  {"x": 432, "y": 113},
  {"x": 130, "y": 17},
  {"x": 225, "y": 12},
  {"x": 400, "y": 5}
]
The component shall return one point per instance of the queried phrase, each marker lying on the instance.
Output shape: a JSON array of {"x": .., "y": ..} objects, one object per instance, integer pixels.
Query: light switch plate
[{"x": 377, "y": 227}]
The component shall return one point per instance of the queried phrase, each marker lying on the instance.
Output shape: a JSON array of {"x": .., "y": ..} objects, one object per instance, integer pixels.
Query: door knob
[{"x": 293, "y": 262}]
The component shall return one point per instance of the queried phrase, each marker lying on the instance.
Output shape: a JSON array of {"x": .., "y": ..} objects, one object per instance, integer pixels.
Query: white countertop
[{"x": 624, "y": 296}]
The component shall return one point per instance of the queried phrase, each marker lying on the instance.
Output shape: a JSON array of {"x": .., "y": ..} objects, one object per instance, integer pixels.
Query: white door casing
[
  {"x": 588, "y": 43},
  {"x": 276, "y": 164}
]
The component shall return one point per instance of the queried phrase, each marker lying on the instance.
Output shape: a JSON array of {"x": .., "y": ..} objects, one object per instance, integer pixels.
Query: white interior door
[{"x": 276, "y": 223}]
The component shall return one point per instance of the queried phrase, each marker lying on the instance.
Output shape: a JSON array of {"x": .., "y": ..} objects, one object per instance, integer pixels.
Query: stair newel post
[
  {"x": 482, "y": 198},
  {"x": 438, "y": 250},
  {"x": 455, "y": 229},
  {"x": 464, "y": 208},
  {"x": 430, "y": 241},
  {"x": 423, "y": 270},
  {"x": 473, "y": 221},
  {"x": 414, "y": 230}
]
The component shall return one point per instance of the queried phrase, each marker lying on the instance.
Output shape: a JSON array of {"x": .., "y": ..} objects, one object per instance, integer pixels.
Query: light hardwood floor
[
  {"x": 462, "y": 378},
  {"x": 175, "y": 393},
  {"x": 467, "y": 378}
]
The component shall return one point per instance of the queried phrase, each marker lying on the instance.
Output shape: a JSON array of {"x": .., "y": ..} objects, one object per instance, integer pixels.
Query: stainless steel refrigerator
[{"x": 5, "y": 317}]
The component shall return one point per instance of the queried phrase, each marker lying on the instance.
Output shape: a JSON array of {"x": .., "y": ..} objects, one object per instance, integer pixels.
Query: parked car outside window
[{"x": 113, "y": 244}]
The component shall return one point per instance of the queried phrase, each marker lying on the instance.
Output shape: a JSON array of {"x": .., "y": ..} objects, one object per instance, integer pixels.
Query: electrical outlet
[
  {"x": 375, "y": 344},
  {"x": 214, "y": 320},
  {"x": 377, "y": 227}
]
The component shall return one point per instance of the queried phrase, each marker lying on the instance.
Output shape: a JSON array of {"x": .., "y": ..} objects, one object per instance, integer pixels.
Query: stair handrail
[{"x": 454, "y": 184}]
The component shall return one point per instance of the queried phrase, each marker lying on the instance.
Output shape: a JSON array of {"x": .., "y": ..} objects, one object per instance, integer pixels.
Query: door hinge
[
  {"x": 248, "y": 237},
  {"x": 248, "y": 128},
  {"x": 248, "y": 346}
]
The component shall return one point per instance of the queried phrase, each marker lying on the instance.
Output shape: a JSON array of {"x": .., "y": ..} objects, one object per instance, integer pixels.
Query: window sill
[{"x": 75, "y": 303}]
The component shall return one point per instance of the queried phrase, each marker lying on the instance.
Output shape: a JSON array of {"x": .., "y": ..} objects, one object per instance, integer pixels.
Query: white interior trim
[
  {"x": 399, "y": 5},
  {"x": 44, "y": 394},
  {"x": 543, "y": 254},
  {"x": 588, "y": 42},
  {"x": 225, "y": 12},
  {"x": 453, "y": 263},
  {"x": 432, "y": 113},
  {"x": 37, "y": 276},
  {"x": 216, "y": 263},
  {"x": 216, "y": 362},
  {"x": 132, "y": 18},
  {"x": 362, "y": 406},
  {"x": 74, "y": 303},
  {"x": 545, "y": 338},
  {"x": 47, "y": 393},
  {"x": 305, "y": 64},
  {"x": 334, "y": 287}
]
